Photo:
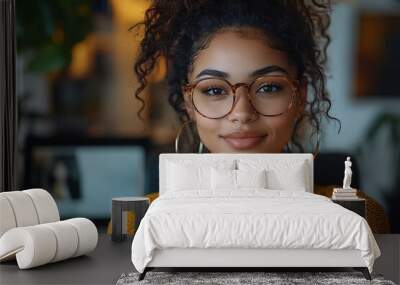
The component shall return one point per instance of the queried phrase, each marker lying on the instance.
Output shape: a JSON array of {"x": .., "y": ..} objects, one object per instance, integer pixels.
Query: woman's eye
[
  {"x": 269, "y": 88},
  {"x": 213, "y": 91}
]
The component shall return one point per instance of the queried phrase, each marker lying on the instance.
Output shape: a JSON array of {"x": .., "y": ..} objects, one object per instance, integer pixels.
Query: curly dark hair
[{"x": 179, "y": 29}]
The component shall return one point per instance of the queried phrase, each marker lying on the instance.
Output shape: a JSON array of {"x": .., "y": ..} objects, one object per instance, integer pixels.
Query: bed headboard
[{"x": 165, "y": 157}]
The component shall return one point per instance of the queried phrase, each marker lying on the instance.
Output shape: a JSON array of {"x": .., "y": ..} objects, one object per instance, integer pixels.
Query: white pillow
[
  {"x": 251, "y": 178},
  {"x": 223, "y": 179},
  {"x": 281, "y": 174},
  {"x": 289, "y": 179},
  {"x": 228, "y": 179},
  {"x": 188, "y": 175},
  {"x": 183, "y": 178}
]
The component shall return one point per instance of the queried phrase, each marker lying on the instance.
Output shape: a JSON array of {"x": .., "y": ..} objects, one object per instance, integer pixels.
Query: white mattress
[{"x": 252, "y": 218}]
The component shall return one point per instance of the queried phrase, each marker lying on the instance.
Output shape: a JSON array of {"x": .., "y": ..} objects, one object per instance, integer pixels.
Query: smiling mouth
[{"x": 244, "y": 142}]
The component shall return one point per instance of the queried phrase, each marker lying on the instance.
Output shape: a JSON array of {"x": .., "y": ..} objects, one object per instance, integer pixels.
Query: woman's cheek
[
  {"x": 209, "y": 130},
  {"x": 281, "y": 129}
]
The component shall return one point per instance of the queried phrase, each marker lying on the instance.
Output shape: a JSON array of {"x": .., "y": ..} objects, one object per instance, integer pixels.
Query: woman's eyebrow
[
  {"x": 213, "y": 72},
  {"x": 269, "y": 69},
  {"x": 258, "y": 72}
]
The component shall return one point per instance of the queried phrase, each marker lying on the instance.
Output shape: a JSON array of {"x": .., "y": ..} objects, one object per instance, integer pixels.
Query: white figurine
[
  {"x": 347, "y": 192},
  {"x": 347, "y": 174}
]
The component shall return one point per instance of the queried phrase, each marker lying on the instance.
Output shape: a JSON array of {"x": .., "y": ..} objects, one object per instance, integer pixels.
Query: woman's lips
[{"x": 243, "y": 140}]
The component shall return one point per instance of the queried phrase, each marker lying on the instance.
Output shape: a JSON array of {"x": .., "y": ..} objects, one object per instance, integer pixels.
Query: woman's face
[{"x": 239, "y": 54}]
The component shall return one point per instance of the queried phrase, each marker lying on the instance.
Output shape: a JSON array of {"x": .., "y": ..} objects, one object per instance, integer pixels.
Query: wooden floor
[{"x": 389, "y": 262}]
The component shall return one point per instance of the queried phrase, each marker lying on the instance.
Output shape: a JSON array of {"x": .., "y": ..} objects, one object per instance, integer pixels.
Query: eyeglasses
[{"x": 215, "y": 98}]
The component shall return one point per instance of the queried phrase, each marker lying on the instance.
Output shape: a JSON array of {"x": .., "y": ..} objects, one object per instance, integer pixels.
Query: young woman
[{"x": 243, "y": 75}]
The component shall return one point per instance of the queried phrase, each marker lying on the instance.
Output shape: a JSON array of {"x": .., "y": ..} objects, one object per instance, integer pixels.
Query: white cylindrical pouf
[
  {"x": 7, "y": 218},
  {"x": 87, "y": 235},
  {"x": 23, "y": 208},
  {"x": 37, "y": 245},
  {"x": 67, "y": 239},
  {"x": 45, "y": 205}
]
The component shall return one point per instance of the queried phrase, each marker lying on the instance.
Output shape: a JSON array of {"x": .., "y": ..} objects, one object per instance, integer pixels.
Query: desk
[
  {"x": 110, "y": 259},
  {"x": 104, "y": 265}
]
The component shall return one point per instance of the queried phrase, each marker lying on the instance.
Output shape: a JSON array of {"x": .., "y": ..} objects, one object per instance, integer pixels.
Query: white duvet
[{"x": 251, "y": 218}]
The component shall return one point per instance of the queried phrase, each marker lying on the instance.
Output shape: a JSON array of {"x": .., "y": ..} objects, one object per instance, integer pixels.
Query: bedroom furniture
[
  {"x": 377, "y": 218},
  {"x": 110, "y": 259},
  {"x": 103, "y": 265},
  {"x": 120, "y": 208},
  {"x": 31, "y": 231},
  {"x": 356, "y": 205},
  {"x": 328, "y": 173},
  {"x": 246, "y": 257}
]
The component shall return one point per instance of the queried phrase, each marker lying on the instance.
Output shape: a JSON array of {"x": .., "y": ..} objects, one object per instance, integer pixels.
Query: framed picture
[
  {"x": 83, "y": 175},
  {"x": 377, "y": 65}
]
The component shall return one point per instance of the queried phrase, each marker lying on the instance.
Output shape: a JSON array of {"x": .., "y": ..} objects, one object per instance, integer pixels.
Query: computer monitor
[{"x": 83, "y": 175}]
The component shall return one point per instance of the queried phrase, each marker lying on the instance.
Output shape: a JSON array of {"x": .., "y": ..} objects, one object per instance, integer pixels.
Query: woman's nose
[{"x": 243, "y": 110}]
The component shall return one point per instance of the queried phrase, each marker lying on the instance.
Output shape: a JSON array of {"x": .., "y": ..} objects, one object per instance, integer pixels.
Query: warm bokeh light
[
  {"x": 81, "y": 58},
  {"x": 129, "y": 11},
  {"x": 160, "y": 70}
]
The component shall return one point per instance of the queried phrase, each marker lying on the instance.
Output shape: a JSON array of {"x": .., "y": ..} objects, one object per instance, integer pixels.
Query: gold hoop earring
[
  {"x": 316, "y": 148},
  {"x": 183, "y": 126},
  {"x": 201, "y": 147}
]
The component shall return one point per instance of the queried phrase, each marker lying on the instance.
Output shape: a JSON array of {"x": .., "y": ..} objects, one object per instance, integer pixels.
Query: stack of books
[{"x": 344, "y": 194}]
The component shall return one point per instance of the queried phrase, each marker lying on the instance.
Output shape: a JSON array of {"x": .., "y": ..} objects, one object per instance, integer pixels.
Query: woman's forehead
[{"x": 238, "y": 53}]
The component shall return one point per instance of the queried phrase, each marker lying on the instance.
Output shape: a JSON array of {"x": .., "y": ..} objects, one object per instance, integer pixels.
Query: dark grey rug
[{"x": 229, "y": 278}]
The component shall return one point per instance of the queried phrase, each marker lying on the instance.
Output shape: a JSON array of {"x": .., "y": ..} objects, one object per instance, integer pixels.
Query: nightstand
[
  {"x": 120, "y": 208},
  {"x": 356, "y": 205}
]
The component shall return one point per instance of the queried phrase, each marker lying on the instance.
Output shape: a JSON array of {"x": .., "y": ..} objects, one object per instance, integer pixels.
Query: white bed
[{"x": 268, "y": 218}]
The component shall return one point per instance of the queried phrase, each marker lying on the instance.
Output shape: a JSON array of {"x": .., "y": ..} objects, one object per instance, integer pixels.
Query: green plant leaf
[
  {"x": 50, "y": 29},
  {"x": 49, "y": 58}
]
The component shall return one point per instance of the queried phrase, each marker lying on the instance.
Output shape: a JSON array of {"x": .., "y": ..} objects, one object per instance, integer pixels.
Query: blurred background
[{"x": 81, "y": 139}]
